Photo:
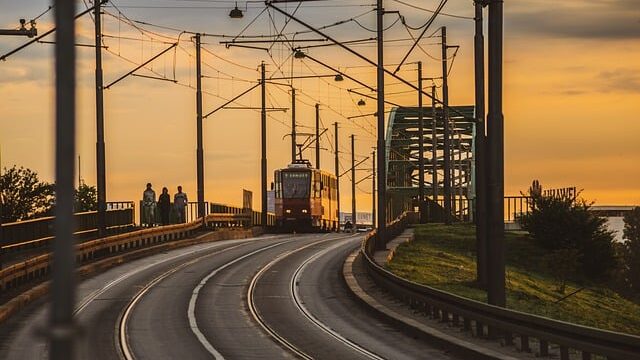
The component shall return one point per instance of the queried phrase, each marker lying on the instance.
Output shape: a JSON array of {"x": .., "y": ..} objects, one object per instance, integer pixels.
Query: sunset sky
[{"x": 571, "y": 105}]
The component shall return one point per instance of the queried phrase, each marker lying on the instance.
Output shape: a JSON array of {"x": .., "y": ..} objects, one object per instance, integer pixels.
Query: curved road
[{"x": 271, "y": 297}]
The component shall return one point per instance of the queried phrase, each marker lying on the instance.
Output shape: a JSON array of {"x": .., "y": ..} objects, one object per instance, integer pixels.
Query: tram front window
[{"x": 295, "y": 185}]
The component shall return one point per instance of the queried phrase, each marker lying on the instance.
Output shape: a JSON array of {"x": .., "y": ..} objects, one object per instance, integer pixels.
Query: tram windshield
[{"x": 295, "y": 185}]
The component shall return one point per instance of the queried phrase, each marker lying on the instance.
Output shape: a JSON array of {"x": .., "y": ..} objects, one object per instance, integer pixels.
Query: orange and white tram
[{"x": 306, "y": 199}]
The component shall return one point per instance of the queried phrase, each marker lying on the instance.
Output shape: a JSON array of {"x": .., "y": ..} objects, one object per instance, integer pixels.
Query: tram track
[
  {"x": 295, "y": 296},
  {"x": 123, "y": 342}
]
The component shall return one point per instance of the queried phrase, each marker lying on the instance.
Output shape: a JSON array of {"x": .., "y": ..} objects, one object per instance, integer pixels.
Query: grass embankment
[{"x": 444, "y": 257}]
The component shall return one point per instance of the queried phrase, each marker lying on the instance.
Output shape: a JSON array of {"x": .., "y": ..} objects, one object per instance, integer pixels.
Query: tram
[{"x": 306, "y": 199}]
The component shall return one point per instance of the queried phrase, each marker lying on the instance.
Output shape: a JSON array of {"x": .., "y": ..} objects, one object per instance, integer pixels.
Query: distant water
[{"x": 616, "y": 224}]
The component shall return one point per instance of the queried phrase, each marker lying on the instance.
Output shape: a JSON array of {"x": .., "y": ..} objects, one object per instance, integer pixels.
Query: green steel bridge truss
[{"x": 402, "y": 158}]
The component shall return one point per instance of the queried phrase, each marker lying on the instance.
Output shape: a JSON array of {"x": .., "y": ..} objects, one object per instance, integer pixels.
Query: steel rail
[
  {"x": 254, "y": 310},
  {"x": 122, "y": 327},
  {"x": 295, "y": 294}
]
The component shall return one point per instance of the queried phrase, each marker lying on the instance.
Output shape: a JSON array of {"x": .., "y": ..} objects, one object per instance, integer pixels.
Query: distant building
[
  {"x": 363, "y": 218},
  {"x": 271, "y": 201}
]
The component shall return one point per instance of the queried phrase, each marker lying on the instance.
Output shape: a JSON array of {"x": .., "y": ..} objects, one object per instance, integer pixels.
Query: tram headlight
[
  {"x": 288, "y": 211},
  {"x": 304, "y": 211}
]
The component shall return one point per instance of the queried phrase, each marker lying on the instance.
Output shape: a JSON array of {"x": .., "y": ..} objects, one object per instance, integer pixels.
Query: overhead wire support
[
  {"x": 307, "y": 56},
  {"x": 364, "y": 58},
  {"x": 427, "y": 25},
  {"x": 140, "y": 66},
  {"x": 354, "y": 166},
  {"x": 230, "y": 101},
  {"x": 101, "y": 172}
]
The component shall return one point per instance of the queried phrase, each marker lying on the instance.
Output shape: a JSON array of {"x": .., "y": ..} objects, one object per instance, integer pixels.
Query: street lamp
[
  {"x": 299, "y": 54},
  {"x": 361, "y": 102},
  {"x": 338, "y": 77},
  {"x": 236, "y": 13}
]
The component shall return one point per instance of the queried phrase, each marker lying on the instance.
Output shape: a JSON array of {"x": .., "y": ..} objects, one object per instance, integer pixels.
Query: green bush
[
  {"x": 632, "y": 248},
  {"x": 566, "y": 223}
]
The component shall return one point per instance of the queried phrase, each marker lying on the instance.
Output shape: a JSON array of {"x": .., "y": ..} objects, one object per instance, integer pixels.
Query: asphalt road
[{"x": 274, "y": 297}]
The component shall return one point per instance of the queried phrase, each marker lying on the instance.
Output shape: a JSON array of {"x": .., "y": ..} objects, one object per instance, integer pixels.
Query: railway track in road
[
  {"x": 273, "y": 333},
  {"x": 272, "y": 297},
  {"x": 122, "y": 327}
]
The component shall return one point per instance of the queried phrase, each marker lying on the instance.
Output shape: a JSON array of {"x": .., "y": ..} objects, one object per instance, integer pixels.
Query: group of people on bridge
[{"x": 150, "y": 206}]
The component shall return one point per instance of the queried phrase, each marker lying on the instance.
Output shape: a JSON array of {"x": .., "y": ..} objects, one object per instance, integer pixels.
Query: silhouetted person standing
[
  {"x": 149, "y": 205},
  {"x": 164, "y": 204},
  {"x": 180, "y": 201}
]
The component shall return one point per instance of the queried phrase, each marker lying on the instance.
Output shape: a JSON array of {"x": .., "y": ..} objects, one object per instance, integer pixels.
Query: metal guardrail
[
  {"x": 39, "y": 267},
  {"x": 463, "y": 209},
  {"x": 41, "y": 230},
  {"x": 503, "y": 323}
]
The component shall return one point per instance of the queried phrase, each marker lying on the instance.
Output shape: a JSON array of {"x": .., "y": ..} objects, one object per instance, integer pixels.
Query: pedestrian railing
[
  {"x": 497, "y": 322},
  {"x": 39, "y": 267},
  {"x": 39, "y": 232}
]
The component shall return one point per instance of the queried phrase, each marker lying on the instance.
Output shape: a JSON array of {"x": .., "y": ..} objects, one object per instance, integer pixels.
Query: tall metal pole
[
  {"x": 317, "y": 136},
  {"x": 480, "y": 152},
  {"x": 293, "y": 125},
  {"x": 263, "y": 130},
  {"x": 373, "y": 191},
  {"x": 199, "y": 150},
  {"x": 382, "y": 174},
  {"x": 434, "y": 144},
  {"x": 61, "y": 329},
  {"x": 353, "y": 183},
  {"x": 460, "y": 202},
  {"x": 423, "y": 213},
  {"x": 495, "y": 160},
  {"x": 447, "y": 135},
  {"x": 337, "y": 169},
  {"x": 100, "y": 146}
]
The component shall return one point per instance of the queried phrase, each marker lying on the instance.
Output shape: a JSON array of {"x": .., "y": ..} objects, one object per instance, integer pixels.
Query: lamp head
[
  {"x": 236, "y": 13},
  {"x": 338, "y": 77}
]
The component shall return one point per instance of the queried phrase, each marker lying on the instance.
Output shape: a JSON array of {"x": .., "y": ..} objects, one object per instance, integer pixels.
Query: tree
[
  {"x": 565, "y": 222},
  {"x": 632, "y": 248},
  {"x": 23, "y": 195},
  {"x": 85, "y": 198},
  {"x": 563, "y": 264}
]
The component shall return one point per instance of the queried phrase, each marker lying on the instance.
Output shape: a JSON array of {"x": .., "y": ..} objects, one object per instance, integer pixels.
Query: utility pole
[
  {"x": 434, "y": 144},
  {"x": 423, "y": 214},
  {"x": 447, "y": 140},
  {"x": 317, "y": 136},
  {"x": 460, "y": 202},
  {"x": 382, "y": 176},
  {"x": 495, "y": 161},
  {"x": 373, "y": 191},
  {"x": 199, "y": 150},
  {"x": 337, "y": 169},
  {"x": 263, "y": 129},
  {"x": 61, "y": 330},
  {"x": 293, "y": 125},
  {"x": 100, "y": 145},
  {"x": 480, "y": 151},
  {"x": 353, "y": 184},
  {"x": 79, "y": 173}
]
